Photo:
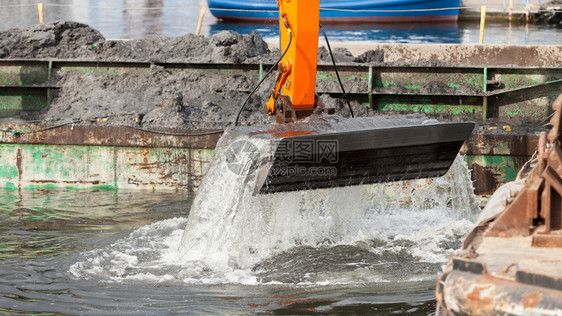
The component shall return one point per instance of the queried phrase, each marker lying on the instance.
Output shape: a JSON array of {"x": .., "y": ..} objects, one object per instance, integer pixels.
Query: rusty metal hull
[
  {"x": 469, "y": 290},
  {"x": 511, "y": 262},
  {"x": 512, "y": 84},
  {"x": 103, "y": 157},
  {"x": 493, "y": 158}
]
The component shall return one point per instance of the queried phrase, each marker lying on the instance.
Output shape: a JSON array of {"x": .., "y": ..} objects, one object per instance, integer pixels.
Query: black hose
[
  {"x": 131, "y": 127},
  {"x": 337, "y": 73},
  {"x": 264, "y": 77}
]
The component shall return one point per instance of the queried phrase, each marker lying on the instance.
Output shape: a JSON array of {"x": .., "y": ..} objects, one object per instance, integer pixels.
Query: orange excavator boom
[
  {"x": 294, "y": 95},
  {"x": 327, "y": 151}
]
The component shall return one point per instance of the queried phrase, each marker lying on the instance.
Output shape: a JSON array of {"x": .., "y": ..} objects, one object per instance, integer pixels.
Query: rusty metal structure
[
  {"x": 511, "y": 263},
  {"x": 69, "y": 156}
]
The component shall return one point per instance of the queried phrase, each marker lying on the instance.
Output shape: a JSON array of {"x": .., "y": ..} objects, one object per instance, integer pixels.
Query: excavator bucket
[
  {"x": 326, "y": 154},
  {"x": 326, "y": 150}
]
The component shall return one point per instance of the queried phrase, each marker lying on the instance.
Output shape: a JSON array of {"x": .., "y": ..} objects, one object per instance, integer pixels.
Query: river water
[
  {"x": 372, "y": 249},
  {"x": 125, "y": 20}
]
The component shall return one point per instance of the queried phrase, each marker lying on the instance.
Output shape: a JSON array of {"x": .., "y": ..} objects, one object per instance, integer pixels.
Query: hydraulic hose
[{"x": 264, "y": 77}]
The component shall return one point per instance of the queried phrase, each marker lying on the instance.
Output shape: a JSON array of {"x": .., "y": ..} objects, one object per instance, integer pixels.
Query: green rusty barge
[{"x": 506, "y": 89}]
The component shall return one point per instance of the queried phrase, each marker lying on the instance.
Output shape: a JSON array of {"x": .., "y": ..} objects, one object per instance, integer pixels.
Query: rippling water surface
[
  {"x": 366, "y": 249},
  {"x": 126, "y": 20},
  {"x": 370, "y": 249}
]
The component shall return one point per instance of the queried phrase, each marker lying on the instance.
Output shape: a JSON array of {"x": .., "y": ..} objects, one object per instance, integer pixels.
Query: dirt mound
[
  {"x": 61, "y": 39},
  {"x": 224, "y": 47},
  {"x": 158, "y": 99},
  {"x": 72, "y": 40},
  {"x": 186, "y": 99},
  {"x": 162, "y": 98},
  {"x": 371, "y": 56}
]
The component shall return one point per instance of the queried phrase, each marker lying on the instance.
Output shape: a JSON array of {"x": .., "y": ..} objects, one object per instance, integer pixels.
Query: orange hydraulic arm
[{"x": 296, "y": 80}]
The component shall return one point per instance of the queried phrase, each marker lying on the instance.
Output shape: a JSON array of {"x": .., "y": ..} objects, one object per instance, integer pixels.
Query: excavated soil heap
[{"x": 163, "y": 98}]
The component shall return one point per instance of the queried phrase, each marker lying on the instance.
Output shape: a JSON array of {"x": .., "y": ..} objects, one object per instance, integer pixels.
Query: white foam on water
[
  {"x": 229, "y": 230},
  {"x": 133, "y": 257}
]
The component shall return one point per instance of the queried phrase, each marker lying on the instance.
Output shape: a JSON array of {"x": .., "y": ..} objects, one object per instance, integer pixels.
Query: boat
[{"x": 342, "y": 11}]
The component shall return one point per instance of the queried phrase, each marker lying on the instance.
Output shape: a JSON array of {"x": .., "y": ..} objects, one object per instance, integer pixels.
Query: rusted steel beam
[
  {"x": 120, "y": 136},
  {"x": 505, "y": 144},
  {"x": 74, "y": 134},
  {"x": 467, "y": 293},
  {"x": 410, "y": 77},
  {"x": 547, "y": 240}
]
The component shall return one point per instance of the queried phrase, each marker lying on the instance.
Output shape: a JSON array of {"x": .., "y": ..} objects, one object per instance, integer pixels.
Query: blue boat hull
[{"x": 344, "y": 11}]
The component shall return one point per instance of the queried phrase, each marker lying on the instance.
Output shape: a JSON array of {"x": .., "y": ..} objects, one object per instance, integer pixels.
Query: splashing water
[{"x": 338, "y": 235}]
